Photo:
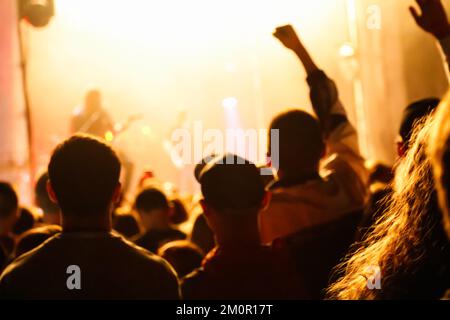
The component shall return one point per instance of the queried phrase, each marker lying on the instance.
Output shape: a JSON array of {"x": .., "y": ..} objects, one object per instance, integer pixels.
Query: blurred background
[{"x": 175, "y": 62}]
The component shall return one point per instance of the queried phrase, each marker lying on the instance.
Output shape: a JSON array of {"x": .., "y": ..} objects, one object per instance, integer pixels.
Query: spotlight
[
  {"x": 347, "y": 51},
  {"x": 230, "y": 103},
  {"x": 37, "y": 12}
]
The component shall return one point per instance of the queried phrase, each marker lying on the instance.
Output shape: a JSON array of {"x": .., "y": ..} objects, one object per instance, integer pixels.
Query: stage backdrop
[
  {"x": 13, "y": 141},
  {"x": 177, "y": 62}
]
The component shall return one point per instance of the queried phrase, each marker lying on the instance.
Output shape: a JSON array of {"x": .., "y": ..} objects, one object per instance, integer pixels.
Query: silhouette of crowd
[{"x": 324, "y": 226}]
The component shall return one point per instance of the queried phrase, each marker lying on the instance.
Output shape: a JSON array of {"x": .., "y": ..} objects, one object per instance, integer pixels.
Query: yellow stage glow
[
  {"x": 109, "y": 136},
  {"x": 156, "y": 58},
  {"x": 230, "y": 103}
]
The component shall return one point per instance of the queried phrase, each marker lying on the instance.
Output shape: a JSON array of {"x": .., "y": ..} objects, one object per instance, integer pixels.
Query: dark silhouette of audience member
[
  {"x": 407, "y": 245},
  {"x": 439, "y": 150},
  {"x": 34, "y": 238},
  {"x": 3, "y": 258},
  {"x": 9, "y": 214},
  {"x": 184, "y": 256},
  {"x": 239, "y": 267},
  {"x": 87, "y": 261},
  {"x": 310, "y": 192},
  {"x": 154, "y": 212},
  {"x": 179, "y": 213},
  {"x": 50, "y": 210},
  {"x": 201, "y": 233},
  {"x": 126, "y": 224},
  {"x": 25, "y": 222}
]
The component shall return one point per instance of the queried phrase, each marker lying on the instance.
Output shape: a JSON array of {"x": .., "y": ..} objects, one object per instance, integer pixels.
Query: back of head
[
  {"x": 34, "y": 238},
  {"x": 126, "y": 224},
  {"x": 439, "y": 150},
  {"x": 300, "y": 140},
  {"x": 151, "y": 199},
  {"x": 25, "y": 221},
  {"x": 231, "y": 184},
  {"x": 42, "y": 198},
  {"x": 413, "y": 114},
  {"x": 179, "y": 214},
  {"x": 183, "y": 255},
  {"x": 9, "y": 202},
  {"x": 84, "y": 173}
]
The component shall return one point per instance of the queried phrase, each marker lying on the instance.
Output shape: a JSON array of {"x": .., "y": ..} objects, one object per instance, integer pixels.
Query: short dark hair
[
  {"x": 25, "y": 221},
  {"x": 412, "y": 115},
  {"x": 9, "y": 202},
  {"x": 126, "y": 224},
  {"x": 301, "y": 139},
  {"x": 43, "y": 200},
  {"x": 183, "y": 255},
  {"x": 84, "y": 172},
  {"x": 151, "y": 199},
  {"x": 231, "y": 183}
]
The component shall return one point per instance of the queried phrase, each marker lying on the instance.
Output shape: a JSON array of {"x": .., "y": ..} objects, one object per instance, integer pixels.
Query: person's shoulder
[
  {"x": 179, "y": 234},
  {"x": 157, "y": 273},
  {"x": 190, "y": 283},
  {"x": 146, "y": 257},
  {"x": 28, "y": 260},
  {"x": 137, "y": 238},
  {"x": 194, "y": 276}
]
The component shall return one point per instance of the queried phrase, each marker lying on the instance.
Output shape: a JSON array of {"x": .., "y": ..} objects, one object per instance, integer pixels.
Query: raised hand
[
  {"x": 289, "y": 38},
  {"x": 432, "y": 18}
]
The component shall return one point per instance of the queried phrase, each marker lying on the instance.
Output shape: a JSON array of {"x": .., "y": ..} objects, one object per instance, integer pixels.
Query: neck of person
[
  {"x": 245, "y": 235},
  {"x": 156, "y": 224},
  {"x": 52, "y": 218},
  {"x": 74, "y": 222}
]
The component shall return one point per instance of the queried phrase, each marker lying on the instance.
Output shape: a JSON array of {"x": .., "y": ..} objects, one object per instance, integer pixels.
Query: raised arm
[
  {"x": 433, "y": 19},
  {"x": 323, "y": 92},
  {"x": 288, "y": 37},
  {"x": 340, "y": 136}
]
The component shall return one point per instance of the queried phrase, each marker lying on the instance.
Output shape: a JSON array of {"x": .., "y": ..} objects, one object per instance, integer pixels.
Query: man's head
[
  {"x": 84, "y": 178},
  {"x": 439, "y": 151},
  {"x": 301, "y": 143},
  {"x": 183, "y": 255},
  {"x": 412, "y": 115},
  {"x": 153, "y": 208},
  {"x": 9, "y": 208},
  {"x": 233, "y": 194},
  {"x": 43, "y": 201}
]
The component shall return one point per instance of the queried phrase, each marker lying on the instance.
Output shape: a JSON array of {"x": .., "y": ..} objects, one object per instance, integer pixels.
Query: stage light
[
  {"x": 146, "y": 130},
  {"x": 346, "y": 51},
  {"x": 109, "y": 136},
  {"x": 37, "y": 12},
  {"x": 230, "y": 103},
  {"x": 230, "y": 67}
]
